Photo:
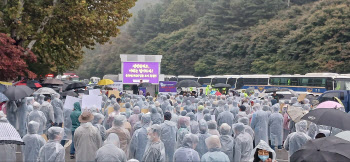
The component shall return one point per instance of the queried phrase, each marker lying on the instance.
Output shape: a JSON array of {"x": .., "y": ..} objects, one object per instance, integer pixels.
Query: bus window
[
  {"x": 263, "y": 81},
  {"x": 204, "y": 81},
  {"x": 294, "y": 81},
  {"x": 329, "y": 84},
  {"x": 250, "y": 81},
  {"x": 173, "y": 79},
  {"x": 231, "y": 81},
  {"x": 319, "y": 82},
  {"x": 218, "y": 80},
  {"x": 240, "y": 83}
]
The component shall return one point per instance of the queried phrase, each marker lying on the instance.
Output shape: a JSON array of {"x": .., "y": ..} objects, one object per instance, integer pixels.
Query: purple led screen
[{"x": 133, "y": 72}]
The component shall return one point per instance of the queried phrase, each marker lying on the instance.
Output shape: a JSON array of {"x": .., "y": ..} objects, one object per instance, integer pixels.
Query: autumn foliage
[{"x": 13, "y": 60}]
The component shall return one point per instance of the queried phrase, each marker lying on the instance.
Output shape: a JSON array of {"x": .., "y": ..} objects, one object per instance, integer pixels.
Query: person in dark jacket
[{"x": 75, "y": 124}]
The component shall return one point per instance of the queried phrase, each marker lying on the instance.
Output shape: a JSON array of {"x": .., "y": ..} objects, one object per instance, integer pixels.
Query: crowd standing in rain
[{"x": 234, "y": 127}]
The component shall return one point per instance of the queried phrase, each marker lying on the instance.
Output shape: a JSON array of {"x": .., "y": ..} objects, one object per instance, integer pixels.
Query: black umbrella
[
  {"x": 53, "y": 81},
  {"x": 75, "y": 85},
  {"x": 323, "y": 149},
  {"x": 188, "y": 83},
  {"x": 270, "y": 90},
  {"x": 82, "y": 91},
  {"x": 18, "y": 92},
  {"x": 69, "y": 93},
  {"x": 329, "y": 117},
  {"x": 2, "y": 88},
  {"x": 222, "y": 85}
]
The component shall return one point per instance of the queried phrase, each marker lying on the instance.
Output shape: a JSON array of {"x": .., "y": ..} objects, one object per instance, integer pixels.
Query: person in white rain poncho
[
  {"x": 38, "y": 116},
  {"x": 263, "y": 153},
  {"x": 247, "y": 128},
  {"x": 186, "y": 152},
  {"x": 168, "y": 136},
  {"x": 123, "y": 134},
  {"x": 57, "y": 105},
  {"x": 155, "y": 151},
  {"x": 47, "y": 109},
  {"x": 227, "y": 142},
  {"x": 33, "y": 142},
  {"x": 139, "y": 139},
  {"x": 97, "y": 122},
  {"x": 212, "y": 128},
  {"x": 243, "y": 143},
  {"x": 226, "y": 117},
  {"x": 87, "y": 138},
  {"x": 193, "y": 123},
  {"x": 183, "y": 124},
  {"x": 203, "y": 134},
  {"x": 276, "y": 128},
  {"x": 214, "y": 153},
  {"x": 53, "y": 151},
  {"x": 259, "y": 124},
  {"x": 111, "y": 151},
  {"x": 297, "y": 139}
]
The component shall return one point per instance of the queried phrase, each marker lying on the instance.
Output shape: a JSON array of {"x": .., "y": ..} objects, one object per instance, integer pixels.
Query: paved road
[{"x": 282, "y": 155}]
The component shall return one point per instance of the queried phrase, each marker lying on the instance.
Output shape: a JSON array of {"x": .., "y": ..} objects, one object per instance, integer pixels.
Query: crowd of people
[{"x": 167, "y": 128}]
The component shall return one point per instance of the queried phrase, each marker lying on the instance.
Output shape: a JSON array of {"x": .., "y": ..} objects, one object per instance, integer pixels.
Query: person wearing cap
[
  {"x": 53, "y": 151},
  {"x": 123, "y": 134},
  {"x": 87, "y": 138},
  {"x": 38, "y": 116},
  {"x": 33, "y": 142},
  {"x": 155, "y": 151},
  {"x": 214, "y": 150}
]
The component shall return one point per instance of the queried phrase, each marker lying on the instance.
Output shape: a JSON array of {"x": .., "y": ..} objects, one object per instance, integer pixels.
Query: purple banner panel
[
  {"x": 133, "y": 72},
  {"x": 167, "y": 86}
]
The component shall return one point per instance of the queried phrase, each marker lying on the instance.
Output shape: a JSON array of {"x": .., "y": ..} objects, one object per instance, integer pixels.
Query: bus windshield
[{"x": 342, "y": 85}]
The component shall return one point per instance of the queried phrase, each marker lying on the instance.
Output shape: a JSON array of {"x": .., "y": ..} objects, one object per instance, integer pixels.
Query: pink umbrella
[{"x": 329, "y": 105}]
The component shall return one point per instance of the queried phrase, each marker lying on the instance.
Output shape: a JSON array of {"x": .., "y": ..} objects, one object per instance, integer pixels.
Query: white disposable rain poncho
[
  {"x": 259, "y": 124},
  {"x": 313, "y": 130},
  {"x": 41, "y": 99},
  {"x": 294, "y": 102},
  {"x": 214, "y": 153},
  {"x": 139, "y": 139},
  {"x": 155, "y": 116},
  {"x": 98, "y": 118},
  {"x": 111, "y": 151},
  {"x": 135, "y": 116},
  {"x": 33, "y": 142},
  {"x": 67, "y": 124},
  {"x": 87, "y": 140},
  {"x": 276, "y": 127},
  {"x": 38, "y": 116},
  {"x": 53, "y": 150},
  {"x": 203, "y": 134},
  {"x": 297, "y": 139},
  {"x": 235, "y": 109},
  {"x": 306, "y": 106},
  {"x": 22, "y": 114},
  {"x": 212, "y": 128},
  {"x": 155, "y": 150},
  {"x": 11, "y": 109},
  {"x": 47, "y": 109},
  {"x": 227, "y": 142},
  {"x": 247, "y": 128},
  {"x": 57, "y": 105},
  {"x": 183, "y": 125},
  {"x": 226, "y": 117},
  {"x": 262, "y": 146},
  {"x": 123, "y": 133},
  {"x": 243, "y": 143},
  {"x": 193, "y": 123},
  {"x": 165, "y": 103},
  {"x": 186, "y": 152},
  {"x": 168, "y": 137}
]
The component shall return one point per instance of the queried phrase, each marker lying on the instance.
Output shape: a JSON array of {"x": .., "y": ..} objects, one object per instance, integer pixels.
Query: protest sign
[
  {"x": 91, "y": 100},
  {"x": 95, "y": 92},
  {"x": 69, "y": 102},
  {"x": 116, "y": 93}
]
